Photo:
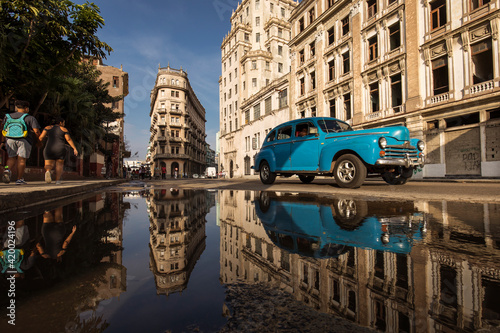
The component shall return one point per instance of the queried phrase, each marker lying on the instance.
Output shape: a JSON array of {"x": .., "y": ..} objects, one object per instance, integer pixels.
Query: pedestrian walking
[
  {"x": 55, "y": 150},
  {"x": 20, "y": 130},
  {"x": 163, "y": 172}
]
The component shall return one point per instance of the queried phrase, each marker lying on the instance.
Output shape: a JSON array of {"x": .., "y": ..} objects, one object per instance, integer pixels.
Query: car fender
[
  {"x": 265, "y": 155},
  {"x": 366, "y": 147}
]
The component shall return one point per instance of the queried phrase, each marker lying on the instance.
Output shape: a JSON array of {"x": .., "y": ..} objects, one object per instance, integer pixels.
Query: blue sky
[{"x": 182, "y": 33}]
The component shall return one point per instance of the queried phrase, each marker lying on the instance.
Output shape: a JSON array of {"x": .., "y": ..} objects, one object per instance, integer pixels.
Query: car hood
[{"x": 399, "y": 133}]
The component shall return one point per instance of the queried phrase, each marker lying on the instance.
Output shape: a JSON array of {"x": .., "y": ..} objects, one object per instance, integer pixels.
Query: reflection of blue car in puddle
[{"x": 327, "y": 228}]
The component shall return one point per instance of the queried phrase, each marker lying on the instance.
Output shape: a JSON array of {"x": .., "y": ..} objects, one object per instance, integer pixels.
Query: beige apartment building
[
  {"x": 253, "y": 92},
  {"x": 432, "y": 66},
  {"x": 178, "y": 136}
]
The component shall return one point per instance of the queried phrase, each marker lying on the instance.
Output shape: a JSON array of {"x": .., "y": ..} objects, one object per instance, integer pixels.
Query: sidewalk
[{"x": 13, "y": 196}]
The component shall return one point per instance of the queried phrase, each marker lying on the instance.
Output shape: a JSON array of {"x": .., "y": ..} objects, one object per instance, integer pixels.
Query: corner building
[
  {"x": 432, "y": 66},
  {"x": 178, "y": 136}
]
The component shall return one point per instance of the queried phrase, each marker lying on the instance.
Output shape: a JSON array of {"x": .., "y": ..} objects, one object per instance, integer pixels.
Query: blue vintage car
[{"x": 324, "y": 146}]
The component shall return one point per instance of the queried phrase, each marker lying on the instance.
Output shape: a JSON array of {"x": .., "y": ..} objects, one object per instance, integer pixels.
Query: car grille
[{"x": 401, "y": 151}]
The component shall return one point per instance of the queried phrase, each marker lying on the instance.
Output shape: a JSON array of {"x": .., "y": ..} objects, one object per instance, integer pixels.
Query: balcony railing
[
  {"x": 440, "y": 98},
  {"x": 482, "y": 87}
]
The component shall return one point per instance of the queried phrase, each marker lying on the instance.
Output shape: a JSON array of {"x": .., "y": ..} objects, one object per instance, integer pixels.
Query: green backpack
[{"x": 15, "y": 128}]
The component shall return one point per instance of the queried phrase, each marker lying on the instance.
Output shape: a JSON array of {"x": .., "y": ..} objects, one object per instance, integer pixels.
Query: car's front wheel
[
  {"x": 266, "y": 175},
  {"x": 306, "y": 179},
  {"x": 398, "y": 177},
  {"x": 349, "y": 171}
]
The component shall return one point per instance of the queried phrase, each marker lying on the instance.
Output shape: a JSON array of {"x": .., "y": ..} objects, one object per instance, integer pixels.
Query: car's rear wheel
[
  {"x": 306, "y": 179},
  {"x": 266, "y": 175},
  {"x": 398, "y": 177},
  {"x": 349, "y": 171}
]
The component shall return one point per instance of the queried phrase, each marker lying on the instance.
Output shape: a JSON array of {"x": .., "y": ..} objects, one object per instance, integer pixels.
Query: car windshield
[{"x": 333, "y": 126}]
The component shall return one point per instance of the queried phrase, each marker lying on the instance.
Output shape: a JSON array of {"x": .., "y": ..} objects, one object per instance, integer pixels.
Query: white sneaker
[
  {"x": 58, "y": 182},
  {"x": 6, "y": 176},
  {"x": 48, "y": 177}
]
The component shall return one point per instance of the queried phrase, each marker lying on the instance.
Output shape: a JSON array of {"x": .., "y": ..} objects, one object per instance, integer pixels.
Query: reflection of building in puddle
[
  {"x": 449, "y": 281},
  {"x": 177, "y": 236}
]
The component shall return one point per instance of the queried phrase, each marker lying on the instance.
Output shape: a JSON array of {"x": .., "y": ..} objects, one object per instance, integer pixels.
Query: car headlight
[
  {"x": 382, "y": 142},
  {"x": 421, "y": 145}
]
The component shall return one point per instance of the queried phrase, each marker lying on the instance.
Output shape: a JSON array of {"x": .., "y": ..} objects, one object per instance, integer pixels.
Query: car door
[
  {"x": 281, "y": 148},
  {"x": 305, "y": 147}
]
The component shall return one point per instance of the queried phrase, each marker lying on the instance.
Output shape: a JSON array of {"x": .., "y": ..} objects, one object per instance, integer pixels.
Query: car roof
[{"x": 300, "y": 120}]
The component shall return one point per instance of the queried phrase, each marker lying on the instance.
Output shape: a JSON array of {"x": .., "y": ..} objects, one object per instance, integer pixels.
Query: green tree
[
  {"x": 42, "y": 40},
  {"x": 83, "y": 100}
]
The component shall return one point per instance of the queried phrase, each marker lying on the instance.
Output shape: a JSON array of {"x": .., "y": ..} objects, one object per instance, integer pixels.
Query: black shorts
[{"x": 52, "y": 154}]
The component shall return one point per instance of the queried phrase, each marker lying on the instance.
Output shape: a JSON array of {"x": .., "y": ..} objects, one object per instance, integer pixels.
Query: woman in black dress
[{"x": 55, "y": 149}]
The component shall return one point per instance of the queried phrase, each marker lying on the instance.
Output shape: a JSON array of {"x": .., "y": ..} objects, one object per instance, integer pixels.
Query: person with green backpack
[{"x": 19, "y": 131}]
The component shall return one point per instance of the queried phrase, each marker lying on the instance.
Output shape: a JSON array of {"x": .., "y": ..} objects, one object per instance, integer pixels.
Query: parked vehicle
[
  {"x": 324, "y": 146},
  {"x": 211, "y": 172}
]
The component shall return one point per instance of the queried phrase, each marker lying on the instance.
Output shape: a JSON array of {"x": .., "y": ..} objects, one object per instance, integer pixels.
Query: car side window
[
  {"x": 271, "y": 136},
  {"x": 305, "y": 129},
  {"x": 285, "y": 133}
]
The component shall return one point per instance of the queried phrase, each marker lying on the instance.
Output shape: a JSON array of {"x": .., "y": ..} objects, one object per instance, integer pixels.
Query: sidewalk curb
[{"x": 12, "y": 201}]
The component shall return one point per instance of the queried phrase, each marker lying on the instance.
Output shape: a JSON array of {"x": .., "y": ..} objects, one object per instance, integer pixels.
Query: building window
[
  {"x": 311, "y": 16},
  {"x": 331, "y": 36},
  {"x": 116, "y": 82},
  {"x": 372, "y": 8},
  {"x": 346, "y": 63},
  {"x": 257, "y": 21},
  {"x": 347, "y": 106},
  {"x": 280, "y": 67},
  {"x": 254, "y": 82},
  {"x": 374, "y": 97},
  {"x": 313, "y": 80},
  {"x": 313, "y": 111},
  {"x": 247, "y": 39},
  {"x": 372, "y": 48},
  {"x": 257, "y": 4},
  {"x": 280, "y": 50},
  {"x": 394, "y": 36},
  {"x": 267, "y": 65},
  {"x": 257, "y": 37},
  {"x": 312, "y": 48},
  {"x": 331, "y": 69},
  {"x": 438, "y": 13},
  {"x": 280, "y": 32},
  {"x": 254, "y": 64},
  {"x": 396, "y": 92},
  {"x": 301, "y": 57},
  {"x": 256, "y": 111},
  {"x": 283, "y": 98},
  {"x": 283, "y": 12},
  {"x": 247, "y": 116},
  {"x": 345, "y": 26},
  {"x": 332, "y": 108},
  {"x": 474, "y": 4},
  {"x": 268, "y": 105},
  {"x": 482, "y": 62},
  {"x": 302, "y": 86},
  {"x": 330, "y": 3},
  {"x": 301, "y": 24},
  {"x": 440, "y": 75}
]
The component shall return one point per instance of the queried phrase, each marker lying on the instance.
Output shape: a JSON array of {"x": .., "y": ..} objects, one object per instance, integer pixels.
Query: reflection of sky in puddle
[{"x": 373, "y": 262}]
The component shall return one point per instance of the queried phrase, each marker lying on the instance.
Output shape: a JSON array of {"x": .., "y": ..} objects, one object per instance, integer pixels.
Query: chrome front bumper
[{"x": 406, "y": 161}]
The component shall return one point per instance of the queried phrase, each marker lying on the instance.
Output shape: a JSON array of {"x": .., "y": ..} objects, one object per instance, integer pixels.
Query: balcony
[
  {"x": 161, "y": 110},
  {"x": 161, "y": 138},
  {"x": 439, "y": 98},
  {"x": 482, "y": 88},
  {"x": 175, "y": 111}
]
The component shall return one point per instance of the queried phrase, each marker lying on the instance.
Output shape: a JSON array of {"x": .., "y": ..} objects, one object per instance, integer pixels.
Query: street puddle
[{"x": 188, "y": 261}]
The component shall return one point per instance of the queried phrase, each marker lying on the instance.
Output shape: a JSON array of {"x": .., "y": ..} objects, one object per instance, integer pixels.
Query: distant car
[
  {"x": 195, "y": 175},
  {"x": 325, "y": 146},
  {"x": 211, "y": 172}
]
